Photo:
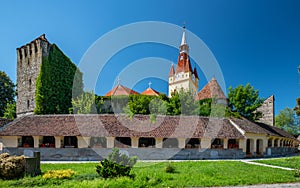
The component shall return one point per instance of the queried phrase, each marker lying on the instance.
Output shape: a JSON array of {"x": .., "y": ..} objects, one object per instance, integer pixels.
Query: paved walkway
[{"x": 261, "y": 164}]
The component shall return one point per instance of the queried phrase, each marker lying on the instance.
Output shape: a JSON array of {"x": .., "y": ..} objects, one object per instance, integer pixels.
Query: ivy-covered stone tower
[
  {"x": 29, "y": 60},
  {"x": 45, "y": 77}
]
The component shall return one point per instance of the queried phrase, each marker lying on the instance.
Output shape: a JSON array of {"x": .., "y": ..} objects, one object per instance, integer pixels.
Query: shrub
[
  {"x": 297, "y": 173},
  {"x": 59, "y": 174},
  {"x": 116, "y": 165},
  {"x": 11, "y": 167},
  {"x": 169, "y": 168}
]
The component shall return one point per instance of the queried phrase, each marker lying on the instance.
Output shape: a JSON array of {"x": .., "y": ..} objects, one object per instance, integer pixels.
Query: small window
[
  {"x": 35, "y": 47},
  {"x": 29, "y": 82},
  {"x": 25, "y": 52},
  {"x": 20, "y": 54},
  {"x": 28, "y": 103}
]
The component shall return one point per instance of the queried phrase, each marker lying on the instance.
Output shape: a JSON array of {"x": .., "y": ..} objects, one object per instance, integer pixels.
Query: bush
[
  {"x": 11, "y": 167},
  {"x": 59, "y": 174},
  {"x": 297, "y": 173},
  {"x": 116, "y": 165},
  {"x": 169, "y": 168}
]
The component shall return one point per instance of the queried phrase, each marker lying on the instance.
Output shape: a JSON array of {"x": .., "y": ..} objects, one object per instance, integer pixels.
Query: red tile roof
[
  {"x": 120, "y": 90},
  {"x": 211, "y": 90},
  {"x": 150, "y": 91},
  {"x": 4, "y": 121},
  {"x": 112, "y": 125},
  {"x": 121, "y": 126},
  {"x": 172, "y": 71},
  {"x": 183, "y": 64}
]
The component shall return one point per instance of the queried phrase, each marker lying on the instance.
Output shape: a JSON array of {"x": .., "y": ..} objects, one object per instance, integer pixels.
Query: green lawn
[
  {"x": 201, "y": 173},
  {"x": 290, "y": 162}
]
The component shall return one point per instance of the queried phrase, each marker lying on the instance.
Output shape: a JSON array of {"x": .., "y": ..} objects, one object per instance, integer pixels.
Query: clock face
[{"x": 178, "y": 76}]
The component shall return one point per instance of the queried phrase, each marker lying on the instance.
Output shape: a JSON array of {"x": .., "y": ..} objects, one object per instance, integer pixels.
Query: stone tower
[
  {"x": 184, "y": 77},
  {"x": 29, "y": 60},
  {"x": 267, "y": 110}
]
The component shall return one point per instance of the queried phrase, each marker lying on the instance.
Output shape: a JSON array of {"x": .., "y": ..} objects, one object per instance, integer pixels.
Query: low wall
[
  {"x": 96, "y": 154},
  {"x": 280, "y": 151}
]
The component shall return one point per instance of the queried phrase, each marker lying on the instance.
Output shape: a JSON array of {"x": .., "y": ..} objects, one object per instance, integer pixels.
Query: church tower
[{"x": 184, "y": 77}]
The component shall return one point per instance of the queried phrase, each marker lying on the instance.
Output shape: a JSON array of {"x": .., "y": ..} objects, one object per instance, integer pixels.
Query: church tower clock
[{"x": 184, "y": 77}]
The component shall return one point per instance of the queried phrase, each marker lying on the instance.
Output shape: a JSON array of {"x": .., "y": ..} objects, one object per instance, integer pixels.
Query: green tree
[
  {"x": 297, "y": 108},
  {"x": 245, "y": 100},
  {"x": 159, "y": 105},
  {"x": 10, "y": 111},
  {"x": 139, "y": 104},
  {"x": 58, "y": 81},
  {"x": 182, "y": 102},
  {"x": 84, "y": 104},
  {"x": 7, "y": 92},
  {"x": 288, "y": 121}
]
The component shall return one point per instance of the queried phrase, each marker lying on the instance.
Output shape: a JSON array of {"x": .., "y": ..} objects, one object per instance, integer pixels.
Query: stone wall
[
  {"x": 267, "y": 109},
  {"x": 29, "y": 60},
  {"x": 89, "y": 154}
]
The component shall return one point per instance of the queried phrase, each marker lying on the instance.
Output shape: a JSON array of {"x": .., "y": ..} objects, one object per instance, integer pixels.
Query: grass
[
  {"x": 187, "y": 174},
  {"x": 289, "y": 162}
]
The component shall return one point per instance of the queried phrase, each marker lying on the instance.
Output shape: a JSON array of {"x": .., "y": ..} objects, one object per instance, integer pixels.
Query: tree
[
  {"x": 182, "y": 102},
  {"x": 245, "y": 100},
  {"x": 297, "y": 108},
  {"x": 7, "y": 92},
  {"x": 10, "y": 111},
  {"x": 288, "y": 121},
  {"x": 84, "y": 104}
]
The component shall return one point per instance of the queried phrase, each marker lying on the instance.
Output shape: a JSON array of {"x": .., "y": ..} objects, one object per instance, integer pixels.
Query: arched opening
[
  {"x": 276, "y": 142},
  {"x": 70, "y": 142},
  {"x": 192, "y": 143},
  {"x": 259, "y": 147},
  {"x": 217, "y": 144},
  {"x": 123, "y": 142},
  {"x": 233, "y": 144},
  {"x": 27, "y": 142},
  {"x": 281, "y": 142},
  {"x": 249, "y": 146},
  {"x": 146, "y": 142},
  {"x": 270, "y": 142},
  {"x": 98, "y": 142},
  {"x": 48, "y": 141},
  {"x": 170, "y": 143}
]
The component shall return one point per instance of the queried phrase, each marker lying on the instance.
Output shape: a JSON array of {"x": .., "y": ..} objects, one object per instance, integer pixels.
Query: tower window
[
  {"x": 29, "y": 83},
  {"x": 25, "y": 52},
  {"x": 20, "y": 54},
  {"x": 35, "y": 47},
  {"x": 28, "y": 103},
  {"x": 30, "y": 50}
]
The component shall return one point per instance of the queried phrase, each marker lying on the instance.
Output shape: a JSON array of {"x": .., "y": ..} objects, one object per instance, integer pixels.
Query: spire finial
[
  {"x": 118, "y": 80},
  {"x": 149, "y": 84}
]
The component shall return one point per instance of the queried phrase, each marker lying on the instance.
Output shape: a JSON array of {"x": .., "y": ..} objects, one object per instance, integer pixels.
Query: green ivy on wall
[{"x": 54, "y": 85}]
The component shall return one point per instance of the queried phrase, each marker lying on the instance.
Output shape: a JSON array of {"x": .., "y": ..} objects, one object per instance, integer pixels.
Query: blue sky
[{"x": 253, "y": 41}]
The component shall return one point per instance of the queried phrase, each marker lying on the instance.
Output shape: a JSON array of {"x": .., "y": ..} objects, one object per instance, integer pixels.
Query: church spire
[{"x": 184, "y": 47}]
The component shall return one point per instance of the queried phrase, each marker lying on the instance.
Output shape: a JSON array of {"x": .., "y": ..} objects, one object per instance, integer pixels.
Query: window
[
  {"x": 123, "y": 142},
  {"x": 192, "y": 143},
  {"x": 98, "y": 142},
  {"x": 217, "y": 144},
  {"x": 170, "y": 143},
  {"x": 28, "y": 104},
  {"x": 146, "y": 142}
]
